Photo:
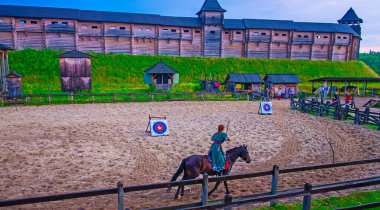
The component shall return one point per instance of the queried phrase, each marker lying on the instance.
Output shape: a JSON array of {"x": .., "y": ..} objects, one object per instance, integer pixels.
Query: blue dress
[{"x": 216, "y": 153}]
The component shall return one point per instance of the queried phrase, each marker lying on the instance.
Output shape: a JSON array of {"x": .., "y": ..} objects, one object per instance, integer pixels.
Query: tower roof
[
  {"x": 211, "y": 6},
  {"x": 350, "y": 16}
]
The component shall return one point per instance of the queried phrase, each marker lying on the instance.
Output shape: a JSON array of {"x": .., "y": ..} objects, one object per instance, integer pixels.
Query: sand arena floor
[{"x": 56, "y": 149}]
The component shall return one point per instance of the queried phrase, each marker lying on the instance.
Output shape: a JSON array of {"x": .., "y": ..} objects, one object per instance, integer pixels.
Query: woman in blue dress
[{"x": 216, "y": 153}]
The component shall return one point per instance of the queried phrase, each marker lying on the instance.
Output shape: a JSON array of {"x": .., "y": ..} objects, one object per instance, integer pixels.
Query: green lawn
[
  {"x": 124, "y": 73},
  {"x": 355, "y": 199}
]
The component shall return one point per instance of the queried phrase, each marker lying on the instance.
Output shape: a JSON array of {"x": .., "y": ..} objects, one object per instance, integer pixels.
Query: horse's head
[{"x": 244, "y": 154}]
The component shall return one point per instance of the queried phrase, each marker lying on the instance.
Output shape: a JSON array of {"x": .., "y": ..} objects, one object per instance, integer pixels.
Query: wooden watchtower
[
  {"x": 75, "y": 71},
  {"x": 4, "y": 65}
]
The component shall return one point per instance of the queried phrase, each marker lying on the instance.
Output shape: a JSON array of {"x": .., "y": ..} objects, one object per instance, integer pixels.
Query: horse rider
[{"x": 216, "y": 152}]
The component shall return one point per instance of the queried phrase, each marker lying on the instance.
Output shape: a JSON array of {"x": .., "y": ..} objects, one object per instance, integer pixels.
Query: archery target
[
  {"x": 159, "y": 128},
  {"x": 266, "y": 108}
]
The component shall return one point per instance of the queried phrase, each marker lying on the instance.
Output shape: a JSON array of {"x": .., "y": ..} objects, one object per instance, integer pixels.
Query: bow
[{"x": 228, "y": 125}]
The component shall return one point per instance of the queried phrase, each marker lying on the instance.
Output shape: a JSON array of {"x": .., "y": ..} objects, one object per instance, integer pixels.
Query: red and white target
[
  {"x": 266, "y": 108},
  {"x": 159, "y": 128}
]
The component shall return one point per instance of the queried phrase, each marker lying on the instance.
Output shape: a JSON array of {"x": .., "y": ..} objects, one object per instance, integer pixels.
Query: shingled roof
[
  {"x": 350, "y": 16},
  {"x": 153, "y": 19},
  {"x": 74, "y": 54},
  {"x": 282, "y": 78},
  {"x": 211, "y": 6},
  {"x": 4, "y": 47},
  {"x": 244, "y": 78},
  {"x": 161, "y": 68}
]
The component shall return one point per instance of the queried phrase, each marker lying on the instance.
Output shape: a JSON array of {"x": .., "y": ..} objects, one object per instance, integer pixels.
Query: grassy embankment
[
  {"x": 124, "y": 73},
  {"x": 355, "y": 199}
]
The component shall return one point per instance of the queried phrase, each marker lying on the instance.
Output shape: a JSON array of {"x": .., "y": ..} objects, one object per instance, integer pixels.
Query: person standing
[{"x": 279, "y": 92}]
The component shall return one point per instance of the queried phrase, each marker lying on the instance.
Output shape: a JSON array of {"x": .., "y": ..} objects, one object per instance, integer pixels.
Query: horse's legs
[
  {"x": 183, "y": 186},
  {"x": 177, "y": 193},
  {"x": 226, "y": 186},
  {"x": 213, "y": 190}
]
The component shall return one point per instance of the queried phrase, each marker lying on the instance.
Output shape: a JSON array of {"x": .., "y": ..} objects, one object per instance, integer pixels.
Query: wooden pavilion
[
  {"x": 75, "y": 69},
  {"x": 283, "y": 81},
  {"x": 161, "y": 76},
  {"x": 347, "y": 81},
  {"x": 243, "y": 82},
  {"x": 4, "y": 65}
]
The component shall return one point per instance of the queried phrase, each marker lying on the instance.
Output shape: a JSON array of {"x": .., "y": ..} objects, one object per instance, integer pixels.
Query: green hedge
[{"x": 121, "y": 73}]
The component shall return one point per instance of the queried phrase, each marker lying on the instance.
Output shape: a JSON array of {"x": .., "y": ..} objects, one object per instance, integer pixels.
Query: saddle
[{"x": 228, "y": 162}]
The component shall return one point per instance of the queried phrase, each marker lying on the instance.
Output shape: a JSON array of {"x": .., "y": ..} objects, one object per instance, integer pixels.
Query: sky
[{"x": 328, "y": 11}]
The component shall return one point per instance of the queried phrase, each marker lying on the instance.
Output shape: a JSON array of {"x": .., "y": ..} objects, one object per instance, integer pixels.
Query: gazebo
[
  {"x": 4, "y": 65},
  {"x": 347, "y": 81},
  {"x": 243, "y": 82},
  {"x": 161, "y": 76},
  {"x": 75, "y": 69}
]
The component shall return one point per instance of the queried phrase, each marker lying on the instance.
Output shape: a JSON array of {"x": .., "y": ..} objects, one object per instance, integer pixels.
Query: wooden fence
[
  {"x": 47, "y": 99},
  {"x": 307, "y": 192},
  {"x": 337, "y": 111}
]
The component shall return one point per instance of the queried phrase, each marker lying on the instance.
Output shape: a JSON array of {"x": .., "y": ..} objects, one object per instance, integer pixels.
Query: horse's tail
[{"x": 179, "y": 172}]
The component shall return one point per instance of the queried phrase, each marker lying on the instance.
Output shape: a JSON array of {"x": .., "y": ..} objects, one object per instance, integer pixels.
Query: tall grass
[{"x": 120, "y": 73}]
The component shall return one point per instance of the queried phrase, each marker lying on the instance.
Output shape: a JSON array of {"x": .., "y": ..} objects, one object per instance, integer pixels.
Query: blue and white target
[
  {"x": 266, "y": 107},
  {"x": 159, "y": 128}
]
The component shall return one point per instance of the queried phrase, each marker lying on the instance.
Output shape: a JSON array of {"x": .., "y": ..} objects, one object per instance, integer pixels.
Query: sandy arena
[{"x": 57, "y": 149}]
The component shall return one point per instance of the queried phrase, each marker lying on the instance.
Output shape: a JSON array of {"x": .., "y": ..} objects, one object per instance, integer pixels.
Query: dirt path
[{"x": 56, "y": 149}]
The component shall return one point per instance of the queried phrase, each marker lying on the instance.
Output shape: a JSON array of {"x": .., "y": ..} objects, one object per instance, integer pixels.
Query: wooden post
[
  {"x": 204, "y": 194},
  {"x": 72, "y": 98},
  {"x": 378, "y": 125},
  {"x": 307, "y": 197},
  {"x": 93, "y": 99},
  {"x": 49, "y": 98},
  {"x": 120, "y": 196},
  {"x": 275, "y": 174},
  {"x": 357, "y": 117},
  {"x": 345, "y": 87},
  {"x": 366, "y": 115}
]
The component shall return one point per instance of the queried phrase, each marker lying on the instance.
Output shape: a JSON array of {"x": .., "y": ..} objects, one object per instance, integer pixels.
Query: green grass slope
[
  {"x": 372, "y": 59},
  {"x": 121, "y": 73}
]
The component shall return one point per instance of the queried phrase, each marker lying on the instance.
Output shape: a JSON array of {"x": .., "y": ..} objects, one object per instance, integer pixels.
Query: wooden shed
[
  {"x": 75, "y": 69},
  {"x": 243, "y": 82},
  {"x": 283, "y": 81},
  {"x": 4, "y": 65},
  {"x": 13, "y": 84},
  {"x": 161, "y": 76}
]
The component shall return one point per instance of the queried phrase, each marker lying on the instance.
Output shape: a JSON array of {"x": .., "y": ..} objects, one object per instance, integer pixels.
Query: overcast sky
[{"x": 297, "y": 10}]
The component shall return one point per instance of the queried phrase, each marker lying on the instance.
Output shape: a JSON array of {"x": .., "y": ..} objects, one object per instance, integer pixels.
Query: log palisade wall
[{"x": 210, "y": 40}]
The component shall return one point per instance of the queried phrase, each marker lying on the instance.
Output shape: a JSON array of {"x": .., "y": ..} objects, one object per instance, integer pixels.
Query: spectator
[
  {"x": 279, "y": 94},
  {"x": 348, "y": 99}
]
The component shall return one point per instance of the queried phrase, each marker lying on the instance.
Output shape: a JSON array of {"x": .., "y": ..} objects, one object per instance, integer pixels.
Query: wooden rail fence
[
  {"x": 337, "y": 111},
  {"x": 47, "y": 99},
  {"x": 307, "y": 192}
]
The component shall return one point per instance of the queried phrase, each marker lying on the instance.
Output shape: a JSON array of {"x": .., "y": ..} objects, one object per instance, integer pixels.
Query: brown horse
[{"x": 195, "y": 165}]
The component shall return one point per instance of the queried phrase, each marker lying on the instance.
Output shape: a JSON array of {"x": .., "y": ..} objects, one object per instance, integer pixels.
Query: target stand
[
  {"x": 158, "y": 126},
  {"x": 266, "y": 108}
]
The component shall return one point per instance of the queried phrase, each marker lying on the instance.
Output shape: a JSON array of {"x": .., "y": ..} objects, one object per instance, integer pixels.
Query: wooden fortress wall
[{"x": 208, "y": 41}]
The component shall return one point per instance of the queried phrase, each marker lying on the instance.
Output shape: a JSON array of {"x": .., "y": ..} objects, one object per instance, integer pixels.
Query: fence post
[
  {"x": 49, "y": 98},
  {"x": 72, "y": 98},
  {"x": 120, "y": 196},
  {"x": 357, "y": 117},
  {"x": 378, "y": 125},
  {"x": 204, "y": 195},
  {"x": 275, "y": 174},
  {"x": 93, "y": 99},
  {"x": 113, "y": 98},
  {"x": 247, "y": 96},
  {"x": 307, "y": 197},
  {"x": 366, "y": 114}
]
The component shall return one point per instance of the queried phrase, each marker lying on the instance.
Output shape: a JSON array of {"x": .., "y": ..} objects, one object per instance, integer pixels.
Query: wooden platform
[{"x": 372, "y": 102}]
